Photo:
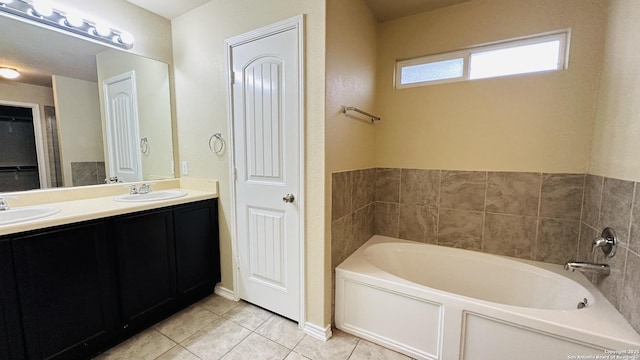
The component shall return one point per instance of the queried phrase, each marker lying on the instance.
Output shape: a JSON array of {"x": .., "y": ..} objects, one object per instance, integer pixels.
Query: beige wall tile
[
  {"x": 341, "y": 239},
  {"x": 615, "y": 211},
  {"x": 417, "y": 223},
  {"x": 363, "y": 226},
  {"x": 634, "y": 238},
  {"x": 561, "y": 196},
  {"x": 592, "y": 199},
  {"x": 557, "y": 240},
  {"x": 386, "y": 219},
  {"x": 340, "y": 194},
  {"x": 460, "y": 229},
  {"x": 420, "y": 187},
  {"x": 513, "y": 193},
  {"x": 463, "y": 190},
  {"x": 388, "y": 185},
  {"x": 630, "y": 306},
  {"x": 611, "y": 286},
  {"x": 363, "y": 188},
  {"x": 511, "y": 235}
]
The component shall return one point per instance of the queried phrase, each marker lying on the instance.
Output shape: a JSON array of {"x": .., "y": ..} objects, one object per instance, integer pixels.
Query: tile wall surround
[
  {"x": 88, "y": 173},
  {"x": 545, "y": 217},
  {"x": 614, "y": 203}
]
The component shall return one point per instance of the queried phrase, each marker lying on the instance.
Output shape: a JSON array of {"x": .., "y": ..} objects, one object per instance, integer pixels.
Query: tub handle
[{"x": 607, "y": 241}]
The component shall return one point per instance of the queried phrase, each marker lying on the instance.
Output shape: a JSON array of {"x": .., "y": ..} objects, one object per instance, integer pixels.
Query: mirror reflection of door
[
  {"x": 123, "y": 134},
  {"x": 23, "y": 163}
]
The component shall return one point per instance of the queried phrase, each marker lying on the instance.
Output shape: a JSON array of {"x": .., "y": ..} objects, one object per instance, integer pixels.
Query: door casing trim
[
  {"x": 297, "y": 23},
  {"x": 41, "y": 155}
]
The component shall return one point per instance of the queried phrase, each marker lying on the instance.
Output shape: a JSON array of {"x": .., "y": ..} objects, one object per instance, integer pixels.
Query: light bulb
[
  {"x": 42, "y": 8},
  {"x": 126, "y": 38},
  {"x": 74, "y": 20},
  {"x": 9, "y": 73},
  {"x": 102, "y": 29}
]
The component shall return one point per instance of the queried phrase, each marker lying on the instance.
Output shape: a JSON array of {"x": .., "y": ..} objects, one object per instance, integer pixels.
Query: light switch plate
[{"x": 185, "y": 168}]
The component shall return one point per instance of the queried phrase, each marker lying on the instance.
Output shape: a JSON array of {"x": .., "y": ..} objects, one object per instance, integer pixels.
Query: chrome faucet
[
  {"x": 144, "y": 188},
  {"x": 587, "y": 267},
  {"x": 3, "y": 204},
  {"x": 608, "y": 242},
  {"x": 133, "y": 190}
]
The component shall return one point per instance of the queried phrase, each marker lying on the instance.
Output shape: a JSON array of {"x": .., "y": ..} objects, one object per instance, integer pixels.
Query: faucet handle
[
  {"x": 132, "y": 188},
  {"x": 3, "y": 200},
  {"x": 607, "y": 241}
]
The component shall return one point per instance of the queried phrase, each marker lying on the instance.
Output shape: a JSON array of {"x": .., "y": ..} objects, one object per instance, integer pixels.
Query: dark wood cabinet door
[
  {"x": 146, "y": 267},
  {"x": 11, "y": 341},
  {"x": 65, "y": 285},
  {"x": 197, "y": 250}
]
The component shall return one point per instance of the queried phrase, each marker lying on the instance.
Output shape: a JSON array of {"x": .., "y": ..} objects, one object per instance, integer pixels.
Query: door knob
[{"x": 288, "y": 198}]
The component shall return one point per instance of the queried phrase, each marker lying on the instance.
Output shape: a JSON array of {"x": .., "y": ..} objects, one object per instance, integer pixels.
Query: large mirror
[{"x": 62, "y": 122}]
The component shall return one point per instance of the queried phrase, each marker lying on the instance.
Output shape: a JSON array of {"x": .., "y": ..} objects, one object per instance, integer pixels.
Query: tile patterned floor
[{"x": 216, "y": 328}]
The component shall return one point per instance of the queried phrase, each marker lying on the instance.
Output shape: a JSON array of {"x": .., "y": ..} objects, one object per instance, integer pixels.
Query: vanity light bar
[{"x": 44, "y": 13}]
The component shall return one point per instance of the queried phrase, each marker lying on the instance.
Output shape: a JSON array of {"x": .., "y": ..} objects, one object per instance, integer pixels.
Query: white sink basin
[
  {"x": 151, "y": 196},
  {"x": 26, "y": 213}
]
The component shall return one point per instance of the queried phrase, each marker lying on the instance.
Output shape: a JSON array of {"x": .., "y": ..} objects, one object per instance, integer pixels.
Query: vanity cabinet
[
  {"x": 197, "y": 256},
  {"x": 73, "y": 291},
  {"x": 66, "y": 289},
  {"x": 11, "y": 341},
  {"x": 146, "y": 265}
]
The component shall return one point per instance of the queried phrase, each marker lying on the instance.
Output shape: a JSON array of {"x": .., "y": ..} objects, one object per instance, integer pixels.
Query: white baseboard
[
  {"x": 317, "y": 332},
  {"x": 224, "y": 292}
]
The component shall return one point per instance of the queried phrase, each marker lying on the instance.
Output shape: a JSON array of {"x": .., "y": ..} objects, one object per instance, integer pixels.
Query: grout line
[
  {"x": 534, "y": 251},
  {"x": 438, "y": 202},
  {"x": 582, "y": 206},
  {"x": 354, "y": 348},
  {"x": 484, "y": 210},
  {"x": 626, "y": 258}
]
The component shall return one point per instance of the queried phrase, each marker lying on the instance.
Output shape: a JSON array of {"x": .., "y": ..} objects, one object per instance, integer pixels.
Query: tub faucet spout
[{"x": 587, "y": 267}]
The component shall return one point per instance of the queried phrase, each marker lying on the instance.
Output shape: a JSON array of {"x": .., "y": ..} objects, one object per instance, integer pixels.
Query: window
[{"x": 546, "y": 52}]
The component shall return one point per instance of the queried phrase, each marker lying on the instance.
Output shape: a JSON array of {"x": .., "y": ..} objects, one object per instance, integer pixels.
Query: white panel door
[
  {"x": 266, "y": 124},
  {"x": 121, "y": 113}
]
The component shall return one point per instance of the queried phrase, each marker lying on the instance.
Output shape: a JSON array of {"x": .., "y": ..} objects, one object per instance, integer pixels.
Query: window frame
[{"x": 563, "y": 36}]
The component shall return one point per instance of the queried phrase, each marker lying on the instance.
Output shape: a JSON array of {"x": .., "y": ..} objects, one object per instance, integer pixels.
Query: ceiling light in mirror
[{"x": 9, "y": 73}]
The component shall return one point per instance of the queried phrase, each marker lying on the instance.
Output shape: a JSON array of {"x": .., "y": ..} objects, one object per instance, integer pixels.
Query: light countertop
[{"x": 95, "y": 202}]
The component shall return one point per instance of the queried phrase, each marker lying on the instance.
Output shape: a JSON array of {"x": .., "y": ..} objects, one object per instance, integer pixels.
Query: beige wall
[
  {"x": 351, "y": 71},
  {"x": 152, "y": 33},
  {"x": 201, "y": 97},
  {"x": 616, "y": 144},
  {"x": 539, "y": 122},
  {"x": 79, "y": 122},
  {"x": 26, "y": 93},
  {"x": 154, "y": 109}
]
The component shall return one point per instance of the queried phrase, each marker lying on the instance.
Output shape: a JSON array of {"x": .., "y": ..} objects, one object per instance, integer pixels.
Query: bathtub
[{"x": 433, "y": 302}]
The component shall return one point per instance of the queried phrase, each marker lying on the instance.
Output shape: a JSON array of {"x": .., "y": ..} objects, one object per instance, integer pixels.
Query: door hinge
[
  {"x": 237, "y": 263},
  {"x": 235, "y": 174},
  {"x": 233, "y": 77}
]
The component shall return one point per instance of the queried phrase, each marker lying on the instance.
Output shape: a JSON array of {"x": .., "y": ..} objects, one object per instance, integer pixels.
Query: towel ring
[
  {"x": 144, "y": 145},
  {"x": 218, "y": 141}
]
